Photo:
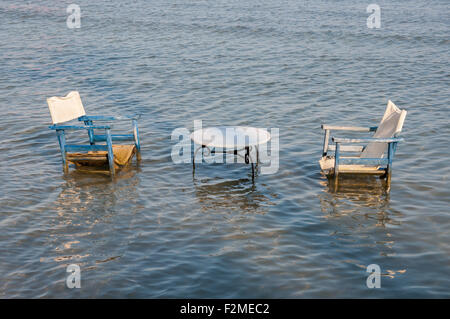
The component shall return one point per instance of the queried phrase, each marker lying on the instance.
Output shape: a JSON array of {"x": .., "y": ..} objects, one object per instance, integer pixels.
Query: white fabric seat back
[
  {"x": 390, "y": 126},
  {"x": 63, "y": 109}
]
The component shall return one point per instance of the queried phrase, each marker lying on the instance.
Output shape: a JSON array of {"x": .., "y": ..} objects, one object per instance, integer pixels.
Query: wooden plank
[
  {"x": 347, "y": 148},
  {"x": 343, "y": 170},
  {"x": 365, "y": 140},
  {"x": 363, "y": 161},
  {"x": 86, "y": 157},
  {"x": 100, "y": 161},
  {"x": 356, "y": 169},
  {"x": 349, "y": 128}
]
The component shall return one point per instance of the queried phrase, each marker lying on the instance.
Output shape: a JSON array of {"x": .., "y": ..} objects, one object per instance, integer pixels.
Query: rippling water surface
[{"x": 156, "y": 231}]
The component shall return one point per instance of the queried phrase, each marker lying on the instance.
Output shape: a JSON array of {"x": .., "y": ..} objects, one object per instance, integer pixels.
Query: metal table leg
[
  {"x": 195, "y": 155},
  {"x": 247, "y": 156},
  {"x": 257, "y": 155},
  {"x": 248, "y": 159}
]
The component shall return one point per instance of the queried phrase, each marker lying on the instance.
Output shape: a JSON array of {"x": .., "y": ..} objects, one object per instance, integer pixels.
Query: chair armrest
[
  {"x": 349, "y": 128},
  {"x": 366, "y": 140},
  {"x": 76, "y": 127},
  {"x": 108, "y": 118}
]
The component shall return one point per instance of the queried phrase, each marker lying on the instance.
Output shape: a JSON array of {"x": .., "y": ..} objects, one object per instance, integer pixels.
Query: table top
[{"x": 230, "y": 137}]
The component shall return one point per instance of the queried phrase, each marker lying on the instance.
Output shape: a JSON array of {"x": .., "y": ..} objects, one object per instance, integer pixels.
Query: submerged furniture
[
  {"x": 70, "y": 107},
  {"x": 231, "y": 140},
  {"x": 375, "y": 157}
]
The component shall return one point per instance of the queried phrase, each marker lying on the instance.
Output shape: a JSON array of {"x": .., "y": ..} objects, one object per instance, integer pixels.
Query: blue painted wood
[
  {"x": 394, "y": 149},
  {"x": 85, "y": 148},
  {"x": 115, "y": 137},
  {"x": 78, "y": 127},
  {"x": 325, "y": 142},
  {"x": 366, "y": 140},
  {"x": 328, "y": 129},
  {"x": 110, "y": 152},
  {"x": 108, "y": 118},
  {"x": 389, "y": 165},
  {"x": 336, "y": 165},
  {"x": 136, "y": 140},
  {"x": 390, "y": 153},
  {"x": 96, "y": 118},
  {"x": 384, "y": 163},
  {"x": 337, "y": 159},
  {"x": 62, "y": 145},
  {"x": 93, "y": 138},
  {"x": 90, "y": 131}
]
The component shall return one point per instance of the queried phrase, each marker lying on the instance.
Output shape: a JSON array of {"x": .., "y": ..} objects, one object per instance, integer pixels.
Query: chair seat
[
  {"x": 122, "y": 156},
  {"x": 327, "y": 167}
]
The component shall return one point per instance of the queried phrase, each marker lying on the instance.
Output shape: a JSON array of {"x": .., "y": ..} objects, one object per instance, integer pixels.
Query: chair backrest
[
  {"x": 63, "y": 109},
  {"x": 390, "y": 126}
]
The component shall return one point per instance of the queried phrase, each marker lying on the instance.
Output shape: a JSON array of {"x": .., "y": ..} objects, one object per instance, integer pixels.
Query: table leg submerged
[
  {"x": 257, "y": 156},
  {"x": 253, "y": 173},
  {"x": 195, "y": 155},
  {"x": 249, "y": 160},
  {"x": 247, "y": 157},
  {"x": 257, "y": 161}
]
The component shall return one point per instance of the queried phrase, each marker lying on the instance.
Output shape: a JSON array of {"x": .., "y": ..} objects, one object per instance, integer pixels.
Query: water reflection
[
  {"x": 235, "y": 216},
  {"x": 360, "y": 215},
  {"x": 241, "y": 195},
  {"x": 355, "y": 194},
  {"x": 93, "y": 217}
]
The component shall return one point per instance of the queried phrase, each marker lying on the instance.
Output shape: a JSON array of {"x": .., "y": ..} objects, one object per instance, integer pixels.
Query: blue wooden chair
[
  {"x": 375, "y": 157},
  {"x": 70, "y": 107}
]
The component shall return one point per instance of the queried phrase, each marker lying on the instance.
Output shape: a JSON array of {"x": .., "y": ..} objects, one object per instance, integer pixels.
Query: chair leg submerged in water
[
  {"x": 63, "y": 109},
  {"x": 370, "y": 158}
]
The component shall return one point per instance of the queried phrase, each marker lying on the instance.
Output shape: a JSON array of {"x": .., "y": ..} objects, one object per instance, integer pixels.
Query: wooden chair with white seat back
[
  {"x": 70, "y": 107},
  {"x": 375, "y": 157}
]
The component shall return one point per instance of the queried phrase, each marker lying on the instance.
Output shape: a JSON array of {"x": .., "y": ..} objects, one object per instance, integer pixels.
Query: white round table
[{"x": 231, "y": 140}]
